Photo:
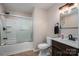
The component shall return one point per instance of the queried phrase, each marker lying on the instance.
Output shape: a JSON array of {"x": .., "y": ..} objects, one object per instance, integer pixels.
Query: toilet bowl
[{"x": 43, "y": 47}]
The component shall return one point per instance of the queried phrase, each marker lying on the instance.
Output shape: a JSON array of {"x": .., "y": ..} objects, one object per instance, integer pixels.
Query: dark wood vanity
[{"x": 60, "y": 49}]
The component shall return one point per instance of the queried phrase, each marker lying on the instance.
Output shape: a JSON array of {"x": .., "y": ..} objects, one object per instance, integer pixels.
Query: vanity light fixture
[{"x": 67, "y": 7}]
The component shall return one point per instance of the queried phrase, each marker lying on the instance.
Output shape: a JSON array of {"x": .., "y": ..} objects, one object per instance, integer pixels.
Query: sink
[{"x": 66, "y": 41}]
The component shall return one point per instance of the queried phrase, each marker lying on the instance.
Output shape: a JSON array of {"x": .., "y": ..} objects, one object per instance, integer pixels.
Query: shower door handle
[{"x": 5, "y": 38}]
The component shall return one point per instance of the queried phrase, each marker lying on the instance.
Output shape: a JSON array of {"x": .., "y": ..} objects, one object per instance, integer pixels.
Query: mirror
[
  {"x": 68, "y": 19},
  {"x": 69, "y": 22}
]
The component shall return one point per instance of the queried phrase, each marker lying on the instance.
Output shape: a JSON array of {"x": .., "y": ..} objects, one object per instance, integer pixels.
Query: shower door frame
[{"x": 14, "y": 16}]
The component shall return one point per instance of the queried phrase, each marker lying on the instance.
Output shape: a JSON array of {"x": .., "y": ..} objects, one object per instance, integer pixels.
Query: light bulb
[{"x": 75, "y": 4}]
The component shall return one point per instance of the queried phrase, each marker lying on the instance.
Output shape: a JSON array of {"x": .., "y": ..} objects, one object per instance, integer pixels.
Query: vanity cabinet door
[{"x": 59, "y": 49}]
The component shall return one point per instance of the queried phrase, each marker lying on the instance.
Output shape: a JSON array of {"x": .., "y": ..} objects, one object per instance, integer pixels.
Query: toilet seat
[{"x": 43, "y": 46}]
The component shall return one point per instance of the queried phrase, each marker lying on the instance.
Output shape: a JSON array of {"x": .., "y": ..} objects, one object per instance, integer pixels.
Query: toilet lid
[{"x": 43, "y": 46}]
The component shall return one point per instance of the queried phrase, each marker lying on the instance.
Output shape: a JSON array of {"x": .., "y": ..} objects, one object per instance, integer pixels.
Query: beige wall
[
  {"x": 53, "y": 17},
  {"x": 1, "y": 8},
  {"x": 40, "y": 26},
  {"x": 43, "y": 23}
]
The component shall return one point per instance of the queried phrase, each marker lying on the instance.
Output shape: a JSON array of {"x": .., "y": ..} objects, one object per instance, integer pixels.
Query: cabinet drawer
[{"x": 63, "y": 49}]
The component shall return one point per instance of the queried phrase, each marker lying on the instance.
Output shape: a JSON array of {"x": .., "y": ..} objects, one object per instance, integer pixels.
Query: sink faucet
[{"x": 70, "y": 36}]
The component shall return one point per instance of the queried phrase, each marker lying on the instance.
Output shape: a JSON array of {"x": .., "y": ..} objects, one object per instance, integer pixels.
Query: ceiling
[{"x": 26, "y": 7}]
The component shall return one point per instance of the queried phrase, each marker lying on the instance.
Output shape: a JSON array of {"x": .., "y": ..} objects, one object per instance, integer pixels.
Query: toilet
[{"x": 43, "y": 47}]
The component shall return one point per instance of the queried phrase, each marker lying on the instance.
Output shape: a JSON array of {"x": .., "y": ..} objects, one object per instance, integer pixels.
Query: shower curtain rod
[{"x": 16, "y": 15}]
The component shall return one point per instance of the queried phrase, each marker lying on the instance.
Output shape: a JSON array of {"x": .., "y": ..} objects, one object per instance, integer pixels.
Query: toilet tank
[{"x": 49, "y": 41}]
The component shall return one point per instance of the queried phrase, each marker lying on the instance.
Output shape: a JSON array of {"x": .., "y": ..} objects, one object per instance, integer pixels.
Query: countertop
[{"x": 71, "y": 43}]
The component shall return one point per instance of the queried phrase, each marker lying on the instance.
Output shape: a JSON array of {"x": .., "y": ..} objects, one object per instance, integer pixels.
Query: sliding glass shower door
[
  {"x": 24, "y": 30},
  {"x": 18, "y": 30}
]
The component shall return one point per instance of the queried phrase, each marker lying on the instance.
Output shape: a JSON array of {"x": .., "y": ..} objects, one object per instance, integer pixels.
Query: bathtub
[{"x": 15, "y": 48}]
